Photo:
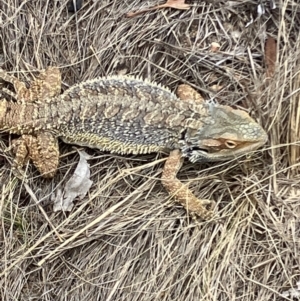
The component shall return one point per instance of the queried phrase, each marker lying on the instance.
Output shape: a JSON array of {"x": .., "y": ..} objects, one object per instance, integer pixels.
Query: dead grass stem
[{"x": 126, "y": 240}]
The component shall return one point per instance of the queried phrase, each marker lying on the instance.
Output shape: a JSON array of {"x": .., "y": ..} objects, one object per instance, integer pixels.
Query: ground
[{"x": 125, "y": 240}]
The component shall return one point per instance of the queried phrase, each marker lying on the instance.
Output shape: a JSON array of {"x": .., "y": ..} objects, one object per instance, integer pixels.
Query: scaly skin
[{"x": 127, "y": 116}]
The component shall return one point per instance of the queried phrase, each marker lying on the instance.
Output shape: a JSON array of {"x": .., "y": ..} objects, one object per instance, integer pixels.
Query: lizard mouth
[
  {"x": 195, "y": 154},
  {"x": 201, "y": 154}
]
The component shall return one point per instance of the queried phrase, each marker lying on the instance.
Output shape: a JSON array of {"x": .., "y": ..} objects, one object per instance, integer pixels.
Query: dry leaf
[
  {"x": 216, "y": 88},
  {"x": 215, "y": 47},
  {"x": 270, "y": 56},
  {"x": 78, "y": 186},
  {"x": 260, "y": 10},
  {"x": 177, "y": 4},
  {"x": 272, "y": 4},
  {"x": 292, "y": 292}
]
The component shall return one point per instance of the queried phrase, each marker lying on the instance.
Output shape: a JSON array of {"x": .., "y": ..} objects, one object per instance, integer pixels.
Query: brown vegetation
[{"x": 126, "y": 240}]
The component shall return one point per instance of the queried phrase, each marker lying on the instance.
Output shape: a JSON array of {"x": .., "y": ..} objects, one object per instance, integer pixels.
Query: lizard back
[{"x": 123, "y": 115}]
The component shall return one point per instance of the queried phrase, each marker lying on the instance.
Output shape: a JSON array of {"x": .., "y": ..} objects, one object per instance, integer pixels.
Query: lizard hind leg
[
  {"x": 181, "y": 193},
  {"x": 46, "y": 86},
  {"x": 42, "y": 149},
  {"x": 19, "y": 86}
]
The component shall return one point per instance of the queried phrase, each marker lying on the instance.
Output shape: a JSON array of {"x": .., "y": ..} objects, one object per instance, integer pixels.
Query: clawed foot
[
  {"x": 41, "y": 149},
  {"x": 207, "y": 209}
]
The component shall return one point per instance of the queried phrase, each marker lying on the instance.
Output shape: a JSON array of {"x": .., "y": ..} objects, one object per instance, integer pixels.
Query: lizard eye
[{"x": 230, "y": 144}]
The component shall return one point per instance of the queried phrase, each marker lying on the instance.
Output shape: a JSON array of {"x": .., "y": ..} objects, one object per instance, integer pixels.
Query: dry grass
[{"x": 126, "y": 241}]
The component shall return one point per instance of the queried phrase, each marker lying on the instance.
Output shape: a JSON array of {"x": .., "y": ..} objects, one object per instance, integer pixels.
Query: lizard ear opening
[{"x": 230, "y": 144}]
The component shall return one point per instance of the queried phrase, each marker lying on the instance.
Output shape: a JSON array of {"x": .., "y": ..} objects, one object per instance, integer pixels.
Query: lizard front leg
[
  {"x": 173, "y": 164},
  {"x": 42, "y": 149},
  {"x": 181, "y": 193},
  {"x": 186, "y": 93}
]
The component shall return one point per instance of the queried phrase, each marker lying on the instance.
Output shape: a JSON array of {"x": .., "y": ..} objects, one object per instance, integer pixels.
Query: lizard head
[{"x": 227, "y": 134}]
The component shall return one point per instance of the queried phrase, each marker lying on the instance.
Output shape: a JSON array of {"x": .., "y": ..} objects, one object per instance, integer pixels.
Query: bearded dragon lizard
[{"x": 125, "y": 115}]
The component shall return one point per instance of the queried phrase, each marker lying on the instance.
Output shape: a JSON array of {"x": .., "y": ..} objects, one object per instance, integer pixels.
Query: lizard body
[{"x": 128, "y": 116}]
